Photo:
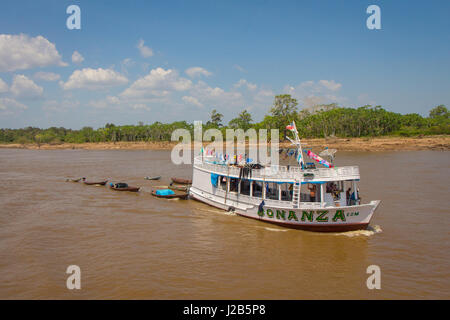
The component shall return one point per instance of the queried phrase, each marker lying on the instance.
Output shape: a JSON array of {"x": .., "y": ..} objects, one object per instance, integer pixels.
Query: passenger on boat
[
  {"x": 312, "y": 192},
  {"x": 348, "y": 195}
]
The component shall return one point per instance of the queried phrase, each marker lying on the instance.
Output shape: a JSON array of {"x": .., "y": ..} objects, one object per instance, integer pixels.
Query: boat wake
[
  {"x": 370, "y": 231},
  {"x": 276, "y": 230},
  {"x": 228, "y": 213}
]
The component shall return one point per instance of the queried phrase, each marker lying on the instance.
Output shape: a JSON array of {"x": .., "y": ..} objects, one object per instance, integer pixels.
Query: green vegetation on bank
[{"x": 317, "y": 122}]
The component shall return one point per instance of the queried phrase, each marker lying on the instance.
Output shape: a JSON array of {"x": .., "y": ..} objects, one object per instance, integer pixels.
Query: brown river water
[{"x": 135, "y": 246}]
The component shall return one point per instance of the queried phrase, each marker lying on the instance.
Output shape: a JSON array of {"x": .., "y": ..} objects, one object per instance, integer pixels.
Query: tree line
[{"x": 320, "y": 121}]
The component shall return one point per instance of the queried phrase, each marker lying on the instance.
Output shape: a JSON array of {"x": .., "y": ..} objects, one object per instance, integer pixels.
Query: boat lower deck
[{"x": 321, "y": 219}]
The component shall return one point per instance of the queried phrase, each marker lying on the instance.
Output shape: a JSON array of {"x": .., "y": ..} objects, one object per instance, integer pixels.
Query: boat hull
[
  {"x": 328, "y": 219},
  {"x": 129, "y": 189},
  {"x": 100, "y": 183},
  {"x": 181, "y": 181},
  {"x": 177, "y": 195}
]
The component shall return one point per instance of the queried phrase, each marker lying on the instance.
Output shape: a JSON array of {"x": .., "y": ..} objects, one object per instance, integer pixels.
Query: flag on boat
[{"x": 291, "y": 126}]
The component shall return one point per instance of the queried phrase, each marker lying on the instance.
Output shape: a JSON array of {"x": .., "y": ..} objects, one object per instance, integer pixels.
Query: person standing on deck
[
  {"x": 347, "y": 196},
  {"x": 312, "y": 192}
]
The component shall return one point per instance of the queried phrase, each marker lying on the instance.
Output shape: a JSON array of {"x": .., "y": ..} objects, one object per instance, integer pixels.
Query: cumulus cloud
[
  {"x": 197, "y": 72},
  {"x": 239, "y": 68},
  {"x": 3, "y": 86},
  {"x": 145, "y": 51},
  {"x": 203, "y": 91},
  {"x": 331, "y": 85},
  {"x": 192, "y": 100},
  {"x": 264, "y": 96},
  {"x": 56, "y": 106},
  {"x": 94, "y": 79},
  {"x": 159, "y": 82},
  {"x": 311, "y": 93},
  {"x": 23, "y": 87},
  {"x": 77, "y": 57},
  {"x": 140, "y": 106},
  {"x": 104, "y": 103},
  {"x": 46, "y": 76},
  {"x": 245, "y": 83},
  {"x": 10, "y": 106},
  {"x": 19, "y": 52}
]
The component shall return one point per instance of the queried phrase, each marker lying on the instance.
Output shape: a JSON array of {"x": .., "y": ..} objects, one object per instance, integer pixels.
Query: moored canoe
[{"x": 181, "y": 181}]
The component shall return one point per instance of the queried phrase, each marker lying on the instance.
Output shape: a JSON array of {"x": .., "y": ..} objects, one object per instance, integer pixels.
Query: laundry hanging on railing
[{"x": 214, "y": 179}]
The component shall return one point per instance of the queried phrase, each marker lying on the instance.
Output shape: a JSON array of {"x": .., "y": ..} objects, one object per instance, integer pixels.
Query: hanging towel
[{"x": 214, "y": 178}]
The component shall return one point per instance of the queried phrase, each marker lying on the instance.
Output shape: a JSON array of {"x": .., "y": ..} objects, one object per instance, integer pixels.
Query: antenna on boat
[{"x": 292, "y": 127}]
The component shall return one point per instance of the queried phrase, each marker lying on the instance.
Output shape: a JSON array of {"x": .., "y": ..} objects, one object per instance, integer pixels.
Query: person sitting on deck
[{"x": 335, "y": 191}]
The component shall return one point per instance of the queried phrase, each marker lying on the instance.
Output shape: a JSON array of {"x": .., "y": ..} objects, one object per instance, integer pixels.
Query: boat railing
[
  {"x": 310, "y": 205},
  {"x": 252, "y": 200},
  {"x": 282, "y": 172}
]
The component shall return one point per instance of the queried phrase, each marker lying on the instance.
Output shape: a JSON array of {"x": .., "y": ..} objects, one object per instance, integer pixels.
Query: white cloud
[
  {"x": 10, "y": 106},
  {"x": 312, "y": 93},
  {"x": 104, "y": 103},
  {"x": 23, "y": 87},
  {"x": 158, "y": 82},
  {"x": 202, "y": 91},
  {"x": 264, "y": 96},
  {"x": 145, "y": 51},
  {"x": 128, "y": 62},
  {"x": 364, "y": 99},
  {"x": 19, "y": 52},
  {"x": 239, "y": 68},
  {"x": 77, "y": 57},
  {"x": 56, "y": 106},
  {"x": 3, "y": 86},
  {"x": 46, "y": 76},
  {"x": 94, "y": 79},
  {"x": 140, "y": 106},
  {"x": 197, "y": 71},
  {"x": 245, "y": 83},
  {"x": 192, "y": 100},
  {"x": 331, "y": 85}
]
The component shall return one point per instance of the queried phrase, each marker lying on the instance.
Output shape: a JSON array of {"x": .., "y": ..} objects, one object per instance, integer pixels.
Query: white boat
[{"x": 282, "y": 194}]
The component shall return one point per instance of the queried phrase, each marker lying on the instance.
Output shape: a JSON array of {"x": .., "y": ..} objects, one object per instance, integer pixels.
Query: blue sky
[{"x": 177, "y": 60}]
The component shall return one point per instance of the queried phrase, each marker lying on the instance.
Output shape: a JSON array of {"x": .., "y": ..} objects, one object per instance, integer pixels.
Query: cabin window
[
  {"x": 257, "y": 189},
  {"x": 335, "y": 188},
  {"x": 245, "y": 187},
  {"x": 310, "y": 192},
  {"x": 223, "y": 183},
  {"x": 286, "y": 191},
  {"x": 234, "y": 183},
  {"x": 351, "y": 197},
  {"x": 272, "y": 190}
]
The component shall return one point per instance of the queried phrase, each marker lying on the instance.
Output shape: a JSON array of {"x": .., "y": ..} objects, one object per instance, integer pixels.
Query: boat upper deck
[{"x": 281, "y": 173}]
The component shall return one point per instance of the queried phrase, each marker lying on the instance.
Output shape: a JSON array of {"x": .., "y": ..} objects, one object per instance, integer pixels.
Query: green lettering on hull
[
  {"x": 292, "y": 215},
  {"x": 308, "y": 216},
  {"x": 280, "y": 214},
  {"x": 339, "y": 215},
  {"x": 321, "y": 217}
]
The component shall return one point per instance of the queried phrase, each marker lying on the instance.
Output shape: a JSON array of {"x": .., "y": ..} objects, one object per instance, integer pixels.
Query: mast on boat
[{"x": 297, "y": 142}]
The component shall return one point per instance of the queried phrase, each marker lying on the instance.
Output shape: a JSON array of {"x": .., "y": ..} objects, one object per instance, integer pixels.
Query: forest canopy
[{"x": 317, "y": 122}]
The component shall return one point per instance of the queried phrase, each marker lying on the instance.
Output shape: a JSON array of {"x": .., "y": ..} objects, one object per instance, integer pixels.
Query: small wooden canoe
[
  {"x": 131, "y": 189},
  {"x": 152, "y": 178},
  {"x": 177, "y": 195},
  {"x": 73, "y": 180},
  {"x": 99, "y": 183},
  {"x": 179, "y": 188},
  {"x": 176, "y": 187},
  {"x": 181, "y": 181}
]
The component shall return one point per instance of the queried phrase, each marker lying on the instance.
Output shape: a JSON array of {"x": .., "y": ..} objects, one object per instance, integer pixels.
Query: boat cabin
[{"x": 287, "y": 186}]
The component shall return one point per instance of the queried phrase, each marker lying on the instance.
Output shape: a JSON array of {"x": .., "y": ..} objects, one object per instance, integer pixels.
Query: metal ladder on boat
[{"x": 296, "y": 193}]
